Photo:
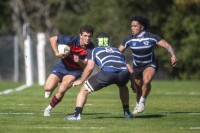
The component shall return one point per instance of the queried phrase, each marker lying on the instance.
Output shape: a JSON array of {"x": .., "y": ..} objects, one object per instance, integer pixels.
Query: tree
[
  {"x": 177, "y": 21},
  {"x": 184, "y": 28}
]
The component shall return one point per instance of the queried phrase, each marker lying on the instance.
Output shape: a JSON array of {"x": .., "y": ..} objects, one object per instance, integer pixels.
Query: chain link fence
[{"x": 7, "y": 59}]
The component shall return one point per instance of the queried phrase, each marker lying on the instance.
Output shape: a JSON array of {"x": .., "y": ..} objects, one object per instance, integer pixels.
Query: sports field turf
[{"x": 172, "y": 107}]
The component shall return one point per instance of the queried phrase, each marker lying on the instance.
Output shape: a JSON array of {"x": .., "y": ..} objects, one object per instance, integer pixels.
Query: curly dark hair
[{"x": 142, "y": 20}]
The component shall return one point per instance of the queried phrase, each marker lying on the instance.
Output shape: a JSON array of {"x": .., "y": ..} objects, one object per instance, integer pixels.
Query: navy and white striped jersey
[
  {"x": 109, "y": 59},
  {"x": 142, "y": 47}
]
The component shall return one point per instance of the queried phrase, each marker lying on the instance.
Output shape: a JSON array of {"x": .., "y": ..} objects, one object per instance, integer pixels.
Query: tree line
[{"x": 177, "y": 21}]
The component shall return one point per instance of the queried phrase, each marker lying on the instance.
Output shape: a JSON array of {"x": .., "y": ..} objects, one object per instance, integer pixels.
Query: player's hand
[
  {"x": 173, "y": 60},
  {"x": 133, "y": 89},
  {"x": 61, "y": 55},
  {"x": 77, "y": 82},
  {"x": 76, "y": 58}
]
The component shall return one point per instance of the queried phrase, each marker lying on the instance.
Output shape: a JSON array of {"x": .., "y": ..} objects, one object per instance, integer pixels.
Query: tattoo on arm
[{"x": 170, "y": 50}]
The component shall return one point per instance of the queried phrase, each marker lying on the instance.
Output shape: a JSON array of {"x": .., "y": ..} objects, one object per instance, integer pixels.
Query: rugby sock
[
  {"x": 54, "y": 101},
  {"x": 49, "y": 108},
  {"x": 78, "y": 110},
  {"x": 126, "y": 108},
  {"x": 142, "y": 100}
]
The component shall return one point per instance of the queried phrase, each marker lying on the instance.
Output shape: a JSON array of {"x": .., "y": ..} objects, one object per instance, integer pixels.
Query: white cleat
[
  {"x": 47, "y": 94},
  {"x": 73, "y": 117},
  {"x": 139, "y": 109},
  {"x": 135, "y": 110},
  {"x": 47, "y": 112}
]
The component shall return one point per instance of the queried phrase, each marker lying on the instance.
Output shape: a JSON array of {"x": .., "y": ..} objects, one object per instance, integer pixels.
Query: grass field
[{"x": 172, "y": 107}]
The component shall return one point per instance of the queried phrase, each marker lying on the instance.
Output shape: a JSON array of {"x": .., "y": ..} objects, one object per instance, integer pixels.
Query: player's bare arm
[
  {"x": 122, "y": 48},
  {"x": 54, "y": 45},
  {"x": 169, "y": 48},
  {"x": 86, "y": 73}
]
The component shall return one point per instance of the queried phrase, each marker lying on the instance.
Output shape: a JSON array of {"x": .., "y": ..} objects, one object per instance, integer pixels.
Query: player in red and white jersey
[{"x": 69, "y": 68}]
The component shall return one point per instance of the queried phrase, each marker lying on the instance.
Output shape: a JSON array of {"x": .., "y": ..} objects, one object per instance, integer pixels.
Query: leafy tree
[
  {"x": 177, "y": 21},
  {"x": 5, "y": 19},
  {"x": 184, "y": 28}
]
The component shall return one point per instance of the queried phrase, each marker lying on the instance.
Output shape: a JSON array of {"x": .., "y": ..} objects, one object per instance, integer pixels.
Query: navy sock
[
  {"x": 78, "y": 110},
  {"x": 126, "y": 108}
]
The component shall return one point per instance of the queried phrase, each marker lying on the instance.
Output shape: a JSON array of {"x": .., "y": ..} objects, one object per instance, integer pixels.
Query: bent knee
[{"x": 50, "y": 87}]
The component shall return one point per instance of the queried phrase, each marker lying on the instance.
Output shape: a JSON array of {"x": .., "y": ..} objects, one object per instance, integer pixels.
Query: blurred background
[{"x": 177, "y": 21}]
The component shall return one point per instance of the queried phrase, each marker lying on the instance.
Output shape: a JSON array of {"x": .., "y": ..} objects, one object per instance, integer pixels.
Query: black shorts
[
  {"x": 138, "y": 70},
  {"x": 103, "y": 79}
]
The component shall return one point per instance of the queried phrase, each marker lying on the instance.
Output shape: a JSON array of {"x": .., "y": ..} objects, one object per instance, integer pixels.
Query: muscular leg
[
  {"x": 144, "y": 86},
  {"x": 80, "y": 101},
  {"x": 138, "y": 88},
  {"x": 148, "y": 75},
  {"x": 82, "y": 97},
  {"x": 64, "y": 86},
  {"x": 50, "y": 85},
  {"x": 138, "y": 93},
  {"x": 124, "y": 96}
]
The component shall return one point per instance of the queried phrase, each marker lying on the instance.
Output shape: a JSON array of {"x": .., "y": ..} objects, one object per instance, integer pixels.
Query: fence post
[
  {"x": 41, "y": 58},
  {"x": 28, "y": 55},
  {"x": 16, "y": 59}
]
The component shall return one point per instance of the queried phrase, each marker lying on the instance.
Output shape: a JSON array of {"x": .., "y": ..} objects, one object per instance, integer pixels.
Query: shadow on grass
[
  {"x": 145, "y": 116},
  {"x": 109, "y": 115},
  {"x": 92, "y": 114},
  {"x": 149, "y": 116}
]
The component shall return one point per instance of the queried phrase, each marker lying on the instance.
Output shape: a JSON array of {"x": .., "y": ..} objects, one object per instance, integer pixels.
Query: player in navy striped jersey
[
  {"x": 145, "y": 64},
  {"x": 69, "y": 68},
  {"x": 114, "y": 70}
]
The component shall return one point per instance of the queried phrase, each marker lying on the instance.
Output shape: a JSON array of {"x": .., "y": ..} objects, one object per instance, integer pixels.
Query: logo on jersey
[
  {"x": 134, "y": 44},
  {"x": 109, "y": 50},
  {"x": 146, "y": 42}
]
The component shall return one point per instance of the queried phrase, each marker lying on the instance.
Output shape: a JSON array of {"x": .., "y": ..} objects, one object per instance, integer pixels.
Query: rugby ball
[{"x": 63, "y": 49}]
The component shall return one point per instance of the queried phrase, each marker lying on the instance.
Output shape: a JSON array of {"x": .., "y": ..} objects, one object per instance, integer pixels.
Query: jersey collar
[{"x": 141, "y": 35}]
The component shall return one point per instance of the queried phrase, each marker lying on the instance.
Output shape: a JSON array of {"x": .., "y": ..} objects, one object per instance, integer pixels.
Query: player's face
[
  {"x": 136, "y": 27},
  {"x": 85, "y": 38}
]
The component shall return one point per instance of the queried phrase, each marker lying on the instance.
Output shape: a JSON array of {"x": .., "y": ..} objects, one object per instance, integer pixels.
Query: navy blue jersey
[
  {"x": 109, "y": 59},
  {"x": 75, "y": 49},
  {"x": 142, "y": 47}
]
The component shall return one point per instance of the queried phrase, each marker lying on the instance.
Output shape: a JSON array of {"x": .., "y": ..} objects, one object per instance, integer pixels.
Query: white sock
[
  {"x": 49, "y": 107},
  {"x": 142, "y": 100}
]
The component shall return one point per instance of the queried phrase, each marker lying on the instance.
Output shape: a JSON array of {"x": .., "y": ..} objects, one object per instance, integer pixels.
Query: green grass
[{"x": 172, "y": 107}]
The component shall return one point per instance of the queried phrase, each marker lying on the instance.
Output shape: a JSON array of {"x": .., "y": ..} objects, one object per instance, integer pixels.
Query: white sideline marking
[
  {"x": 191, "y": 128},
  {"x": 194, "y": 128},
  {"x": 180, "y": 93},
  {"x": 16, "y": 113},
  {"x": 22, "y": 87},
  {"x": 89, "y": 104},
  {"x": 69, "y": 127},
  {"x": 187, "y": 113}
]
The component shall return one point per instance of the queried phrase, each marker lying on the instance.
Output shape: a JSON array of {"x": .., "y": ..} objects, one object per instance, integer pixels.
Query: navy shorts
[
  {"x": 104, "y": 79},
  {"x": 138, "y": 70},
  {"x": 61, "y": 70}
]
